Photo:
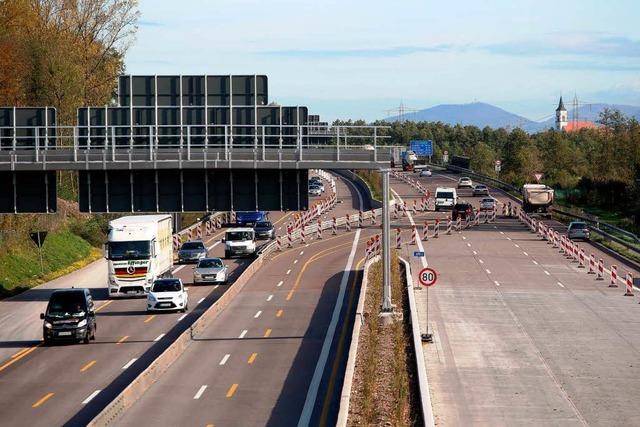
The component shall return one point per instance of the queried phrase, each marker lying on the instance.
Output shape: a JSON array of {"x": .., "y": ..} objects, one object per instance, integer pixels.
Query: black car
[
  {"x": 462, "y": 211},
  {"x": 70, "y": 316},
  {"x": 264, "y": 230}
]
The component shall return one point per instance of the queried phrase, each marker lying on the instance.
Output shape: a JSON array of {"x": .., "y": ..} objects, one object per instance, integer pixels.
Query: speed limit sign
[{"x": 427, "y": 277}]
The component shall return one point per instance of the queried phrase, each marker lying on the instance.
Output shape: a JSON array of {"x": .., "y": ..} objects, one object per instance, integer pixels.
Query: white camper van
[
  {"x": 446, "y": 198},
  {"x": 139, "y": 250}
]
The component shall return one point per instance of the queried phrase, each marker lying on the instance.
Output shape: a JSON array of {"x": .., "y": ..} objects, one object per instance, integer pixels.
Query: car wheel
[
  {"x": 46, "y": 341},
  {"x": 86, "y": 339},
  {"x": 227, "y": 254}
]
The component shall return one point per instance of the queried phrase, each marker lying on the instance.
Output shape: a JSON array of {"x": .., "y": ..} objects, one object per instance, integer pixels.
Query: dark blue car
[{"x": 246, "y": 218}]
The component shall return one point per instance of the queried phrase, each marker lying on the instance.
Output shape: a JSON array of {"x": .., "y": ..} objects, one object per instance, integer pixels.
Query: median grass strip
[{"x": 385, "y": 382}]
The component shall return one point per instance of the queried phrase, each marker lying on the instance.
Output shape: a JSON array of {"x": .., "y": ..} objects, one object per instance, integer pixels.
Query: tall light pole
[{"x": 387, "y": 307}]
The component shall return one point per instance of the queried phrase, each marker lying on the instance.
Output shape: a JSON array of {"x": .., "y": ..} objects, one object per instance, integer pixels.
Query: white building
[{"x": 562, "y": 116}]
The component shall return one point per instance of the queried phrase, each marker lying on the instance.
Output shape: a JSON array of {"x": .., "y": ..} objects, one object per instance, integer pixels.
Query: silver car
[
  {"x": 465, "y": 182},
  {"x": 480, "y": 190},
  {"x": 578, "y": 230},
  {"x": 192, "y": 251},
  {"x": 210, "y": 270}
]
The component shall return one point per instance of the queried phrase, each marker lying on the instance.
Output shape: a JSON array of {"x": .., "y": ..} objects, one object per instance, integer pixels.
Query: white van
[
  {"x": 446, "y": 198},
  {"x": 239, "y": 241}
]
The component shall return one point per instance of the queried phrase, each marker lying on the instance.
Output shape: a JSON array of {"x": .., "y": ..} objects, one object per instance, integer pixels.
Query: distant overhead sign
[{"x": 422, "y": 147}]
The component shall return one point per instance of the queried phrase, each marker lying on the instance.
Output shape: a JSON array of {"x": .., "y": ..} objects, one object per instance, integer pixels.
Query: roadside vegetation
[
  {"x": 384, "y": 387},
  {"x": 373, "y": 180}
]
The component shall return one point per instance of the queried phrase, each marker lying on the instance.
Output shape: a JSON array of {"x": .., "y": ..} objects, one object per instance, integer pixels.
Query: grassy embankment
[{"x": 373, "y": 180}]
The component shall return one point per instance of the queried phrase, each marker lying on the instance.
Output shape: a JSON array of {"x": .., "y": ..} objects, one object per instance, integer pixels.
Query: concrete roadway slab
[{"x": 525, "y": 350}]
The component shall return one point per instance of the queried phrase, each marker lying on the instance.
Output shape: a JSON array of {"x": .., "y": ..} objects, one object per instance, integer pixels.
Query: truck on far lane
[
  {"x": 537, "y": 198},
  {"x": 139, "y": 250}
]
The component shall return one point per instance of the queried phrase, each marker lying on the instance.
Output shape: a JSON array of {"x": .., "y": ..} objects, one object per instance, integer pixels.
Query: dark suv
[
  {"x": 70, "y": 316},
  {"x": 462, "y": 210}
]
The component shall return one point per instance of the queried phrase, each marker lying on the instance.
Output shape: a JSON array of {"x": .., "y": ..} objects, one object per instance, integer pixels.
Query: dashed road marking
[
  {"x": 561, "y": 285},
  {"x": 90, "y": 397},
  {"x": 158, "y": 338},
  {"x": 182, "y": 317},
  {"x": 547, "y": 273},
  {"x": 280, "y": 283},
  {"x": 475, "y": 253},
  {"x": 301, "y": 252},
  {"x": 517, "y": 245},
  {"x": 257, "y": 314},
  {"x": 288, "y": 271},
  {"x": 252, "y": 358},
  {"x": 214, "y": 245},
  {"x": 232, "y": 390},
  {"x": 279, "y": 313},
  {"x": 525, "y": 254},
  {"x": 496, "y": 282},
  {"x": 270, "y": 297},
  {"x": 502, "y": 232},
  {"x": 224, "y": 359},
  {"x": 535, "y": 262},
  {"x": 295, "y": 261},
  {"x": 199, "y": 392},
  {"x": 87, "y": 366},
  {"x": 488, "y": 271},
  {"x": 464, "y": 238},
  {"x": 469, "y": 244},
  {"x": 42, "y": 400},
  {"x": 481, "y": 261},
  {"x": 129, "y": 363},
  {"x": 123, "y": 339},
  {"x": 200, "y": 300},
  {"x": 150, "y": 318},
  {"x": 267, "y": 333},
  {"x": 242, "y": 334}
]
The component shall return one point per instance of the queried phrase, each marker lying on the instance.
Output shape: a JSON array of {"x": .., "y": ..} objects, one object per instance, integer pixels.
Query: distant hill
[
  {"x": 481, "y": 114},
  {"x": 475, "y": 114}
]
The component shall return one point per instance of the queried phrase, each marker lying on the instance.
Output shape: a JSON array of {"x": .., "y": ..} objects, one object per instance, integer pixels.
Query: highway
[
  {"x": 49, "y": 385},
  {"x": 268, "y": 358},
  {"x": 522, "y": 335}
]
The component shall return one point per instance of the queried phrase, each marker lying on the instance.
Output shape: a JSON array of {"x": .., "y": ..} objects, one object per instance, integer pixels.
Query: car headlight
[
  {"x": 82, "y": 323},
  {"x": 151, "y": 297},
  {"x": 48, "y": 325},
  {"x": 197, "y": 274},
  {"x": 179, "y": 297}
]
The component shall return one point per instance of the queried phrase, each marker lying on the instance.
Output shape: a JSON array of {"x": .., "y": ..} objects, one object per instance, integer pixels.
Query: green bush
[{"x": 93, "y": 230}]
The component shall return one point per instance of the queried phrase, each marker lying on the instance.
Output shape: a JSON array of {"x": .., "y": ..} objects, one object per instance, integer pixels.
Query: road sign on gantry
[
  {"x": 422, "y": 147},
  {"x": 427, "y": 277}
]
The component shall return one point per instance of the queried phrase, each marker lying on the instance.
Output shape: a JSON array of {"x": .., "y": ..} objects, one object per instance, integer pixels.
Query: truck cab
[{"x": 239, "y": 241}]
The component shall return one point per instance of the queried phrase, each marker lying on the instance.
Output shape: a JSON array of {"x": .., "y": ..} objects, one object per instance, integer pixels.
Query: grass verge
[
  {"x": 384, "y": 380},
  {"x": 373, "y": 181}
]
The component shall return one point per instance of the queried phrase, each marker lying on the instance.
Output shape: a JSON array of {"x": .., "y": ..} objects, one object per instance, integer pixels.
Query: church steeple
[{"x": 562, "y": 116}]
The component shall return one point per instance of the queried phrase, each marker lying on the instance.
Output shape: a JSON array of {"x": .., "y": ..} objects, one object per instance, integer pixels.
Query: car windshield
[
  {"x": 193, "y": 245},
  {"x": 481, "y": 187},
  {"x": 463, "y": 207},
  {"x": 488, "y": 201},
  {"x": 314, "y": 187},
  {"x": 465, "y": 179},
  {"x": 210, "y": 263},
  {"x": 166, "y": 286},
  {"x": 129, "y": 250},
  {"x": 578, "y": 226},
  {"x": 263, "y": 224},
  {"x": 444, "y": 195},
  {"x": 69, "y": 304},
  {"x": 239, "y": 235}
]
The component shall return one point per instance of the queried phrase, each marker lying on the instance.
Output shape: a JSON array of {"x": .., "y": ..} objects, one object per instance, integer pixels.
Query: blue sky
[{"x": 357, "y": 58}]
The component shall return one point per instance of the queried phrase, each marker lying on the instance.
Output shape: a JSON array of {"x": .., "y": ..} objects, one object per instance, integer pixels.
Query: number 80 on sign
[{"x": 427, "y": 277}]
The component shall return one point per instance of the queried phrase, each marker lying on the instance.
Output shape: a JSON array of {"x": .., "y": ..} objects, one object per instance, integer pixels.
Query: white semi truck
[
  {"x": 138, "y": 251},
  {"x": 536, "y": 198}
]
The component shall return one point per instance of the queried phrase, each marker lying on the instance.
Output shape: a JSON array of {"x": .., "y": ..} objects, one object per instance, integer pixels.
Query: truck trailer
[
  {"x": 138, "y": 251},
  {"x": 537, "y": 198}
]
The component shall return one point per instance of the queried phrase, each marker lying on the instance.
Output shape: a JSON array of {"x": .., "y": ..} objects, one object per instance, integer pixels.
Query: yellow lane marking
[
  {"x": 18, "y": 357},
  {"x": 267, "y": 333},
  {"x": 252, "y": 358},
  {"x": 210, "y": 425},
  {"x": 123, "y": 339},
  {"x": 279, "y": 313},
  {"x": 42, "y": 400},
  {"x": 20, "y": 352},
  {"x": 339, "y": 350},
  {"x": 232, "y": 390},
  {"x": 286, "y": 251},
  {"x": 104, "y": 305},
  {"x": 88, "y": 365},
  {"x": 150, "y": 318},
  {"x": 311, "y": 260}
]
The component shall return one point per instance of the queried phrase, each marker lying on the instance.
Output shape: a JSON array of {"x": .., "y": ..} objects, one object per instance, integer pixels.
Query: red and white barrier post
[
  {"x": 600, "y": 269},
  {"x": 629, "y": 284},
  {"x": 334, "y": 226},
  {"x": 581, "y": 258},
  {"x": 436, "y": 228},
  {"x": 398, "y": 239},
  {"x": 425, "y": 231},
  {"x": 373, "y": 217},
  {"x": 414, "y": 235},
  {"x": 319, "y": 230},
  {"x": 278, "y": 243},
  {"x": 347, "y": 224},
  {"x": 614, "y": 277},
  {"x": 592, "y": 264},
  {"x": 360, "y": 219},
  {"x": 449, "y": 223}
]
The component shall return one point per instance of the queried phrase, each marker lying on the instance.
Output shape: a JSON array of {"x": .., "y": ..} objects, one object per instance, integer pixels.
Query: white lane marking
[
  {"x": 242, "y": 334},
  {"x": 525, "y": 254},
  {"x": 535, "y": 262},
  {"x": 288, "y": 271},
  {"x": 270, "y": 297},
  {"x": 182, "y": 317},
  {"x": 307, "y": 245},
  {"x": 129, "y": 363},
  {"x": 280, "y": 283},
  {"x": 561, "y": 285},
  {"x": 496, "y": 282},
  {"x": 215, "y": 287},
  {"x": 469, "y": 244},
  {"x": 295, "y": 261},
  {"x": 312, "y": 393},
  {"x": 301, "y": 252},
  {"x": 488, "y": 271},
  {"x": 257, "y": 314},
  {"x": 200, "y": 300},
  {"x": 502, "y": 232},
  {"x": 517, "y": 246},
  {"x": 179, "y": 268},
  {"x": 464, "y": 238},
  {"x": 91, "y": 396},
  {"x": 481, "y": 261},
  {"x": 224, "y": 359},
  {"x": 475, "y": 253},
  {"x": 200, "y": 391},
  {"x": 547, "y": 273},
  {"x": 214, "y": 245},
  {"x": 423, "y": 258},
  {"x": 158, "y": 338},
  {"x": 508, "y": 238}
]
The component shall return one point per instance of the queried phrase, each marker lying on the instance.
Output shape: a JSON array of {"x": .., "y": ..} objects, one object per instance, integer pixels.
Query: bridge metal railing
[
  {"x": 610, "y": 232},
  {"x": 193, "y": 142}
]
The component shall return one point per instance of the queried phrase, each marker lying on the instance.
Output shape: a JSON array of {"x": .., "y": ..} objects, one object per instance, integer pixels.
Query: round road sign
[{"x": 427, "y": 277}]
